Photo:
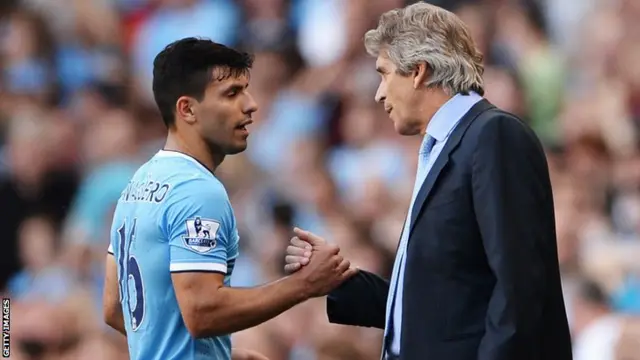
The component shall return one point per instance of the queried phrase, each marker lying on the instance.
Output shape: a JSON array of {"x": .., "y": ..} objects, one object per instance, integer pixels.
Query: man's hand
[
  {"x": 326, "y": 269},
  {"x": 299, "y": 252}
]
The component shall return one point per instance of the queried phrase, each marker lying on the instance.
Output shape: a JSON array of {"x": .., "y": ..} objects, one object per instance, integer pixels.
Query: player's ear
[{"x": 185, "y": 109}]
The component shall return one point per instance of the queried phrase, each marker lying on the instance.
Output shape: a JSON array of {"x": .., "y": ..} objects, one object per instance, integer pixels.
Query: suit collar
[{"x": 442, "y": 160}]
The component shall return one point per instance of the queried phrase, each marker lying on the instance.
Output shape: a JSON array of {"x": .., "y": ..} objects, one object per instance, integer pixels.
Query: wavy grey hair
[{"x": 426, "y": 33}]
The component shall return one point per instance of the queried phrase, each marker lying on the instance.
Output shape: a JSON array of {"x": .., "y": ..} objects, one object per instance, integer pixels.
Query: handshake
[{"x": 316, "y": 263}]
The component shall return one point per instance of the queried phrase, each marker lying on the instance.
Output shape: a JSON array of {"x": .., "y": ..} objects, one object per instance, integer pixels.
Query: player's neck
[{"x": 197, "y": 149}]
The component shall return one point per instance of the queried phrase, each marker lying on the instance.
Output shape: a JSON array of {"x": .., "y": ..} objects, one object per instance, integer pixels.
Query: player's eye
[{"x": 234, "y": 91}]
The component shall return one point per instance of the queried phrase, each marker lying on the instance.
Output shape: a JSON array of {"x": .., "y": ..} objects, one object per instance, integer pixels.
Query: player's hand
[
  {"x": 326, "y": 269},
  {"x": 243, "y": 354},
  {"x": 298, "y": 252}
]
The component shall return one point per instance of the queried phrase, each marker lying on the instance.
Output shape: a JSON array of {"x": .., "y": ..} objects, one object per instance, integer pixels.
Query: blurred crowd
[{"x": 77, "y": 118}]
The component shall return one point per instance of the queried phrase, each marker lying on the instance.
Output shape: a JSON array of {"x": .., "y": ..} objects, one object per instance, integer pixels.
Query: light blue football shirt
[{"x": 174, "y": 216}]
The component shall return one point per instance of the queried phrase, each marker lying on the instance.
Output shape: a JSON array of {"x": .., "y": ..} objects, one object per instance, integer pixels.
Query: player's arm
[
  {"x": 208, "y": 307},
  {"x": 211, "y": 309},
  {"x": 111, "y": 308}
]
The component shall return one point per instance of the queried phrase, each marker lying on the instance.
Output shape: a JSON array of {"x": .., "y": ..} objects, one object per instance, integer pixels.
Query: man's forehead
[
  {"x": 225, "y": 73},
  {"x": 383, "y": 62},
  {"x": 227, "y": 78}
]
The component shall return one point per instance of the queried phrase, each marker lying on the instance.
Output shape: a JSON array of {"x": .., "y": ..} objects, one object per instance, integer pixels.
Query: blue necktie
[{"x": 423, "y": 161}]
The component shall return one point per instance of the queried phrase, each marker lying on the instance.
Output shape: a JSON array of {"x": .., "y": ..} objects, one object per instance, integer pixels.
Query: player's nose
[{"x": 251, "y": 106}]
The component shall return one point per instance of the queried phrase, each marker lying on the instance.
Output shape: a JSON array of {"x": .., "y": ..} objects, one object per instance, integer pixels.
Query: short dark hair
[{"x": 185, "y": 67}]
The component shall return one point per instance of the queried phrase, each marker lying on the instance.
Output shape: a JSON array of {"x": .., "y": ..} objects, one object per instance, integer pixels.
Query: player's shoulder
[
  {"x": 170, "y": 177},
  {"x": 187, "y": 178}
]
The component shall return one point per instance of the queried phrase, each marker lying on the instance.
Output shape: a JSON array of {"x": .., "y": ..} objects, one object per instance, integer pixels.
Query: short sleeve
[
  {"x": 110, "y": 249},
  {"x": 199, "y": 221}
]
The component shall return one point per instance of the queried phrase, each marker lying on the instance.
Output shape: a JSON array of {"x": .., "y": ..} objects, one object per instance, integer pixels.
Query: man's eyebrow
[{"x": 236, "y": 86}]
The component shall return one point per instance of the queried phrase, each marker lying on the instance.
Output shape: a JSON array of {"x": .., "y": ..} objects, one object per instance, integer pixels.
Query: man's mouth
[{"x": 244, "y": 124}]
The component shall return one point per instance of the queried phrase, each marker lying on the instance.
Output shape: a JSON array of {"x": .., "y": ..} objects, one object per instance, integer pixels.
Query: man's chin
[
  {"x": 405, "y": 129},
  {"x": 236, "y": 149}
]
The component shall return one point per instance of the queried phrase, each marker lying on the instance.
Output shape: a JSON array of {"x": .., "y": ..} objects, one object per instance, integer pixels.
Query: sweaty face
[
  {"x": 224, "y": 114},
  {"x": 399, "y": 96}
]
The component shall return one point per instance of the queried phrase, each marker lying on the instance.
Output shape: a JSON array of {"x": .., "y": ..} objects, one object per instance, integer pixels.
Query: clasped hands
[
  {"x": 318, "y": 262},
  {"x": 319, "y": 267}
]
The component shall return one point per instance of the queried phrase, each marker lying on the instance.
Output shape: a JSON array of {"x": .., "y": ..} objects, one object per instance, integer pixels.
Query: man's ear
[
  {"x": 420, "y": 74},
  {"x": 185, "y": 109}
]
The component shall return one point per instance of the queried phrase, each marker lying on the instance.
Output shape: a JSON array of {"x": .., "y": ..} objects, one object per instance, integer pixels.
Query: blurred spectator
[
  {"x": 77, "y": 118},
  {"x": 171, "y": 20},
  {"x": 33, "y": 184},
  {"x": 40, "y": 278},
  {"x": 597, "y": 329}
]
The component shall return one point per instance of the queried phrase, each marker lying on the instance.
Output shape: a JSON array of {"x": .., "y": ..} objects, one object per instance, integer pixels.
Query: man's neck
[
  {"x": 434, "y": 100},
  {"x": 196, "y": 148}
]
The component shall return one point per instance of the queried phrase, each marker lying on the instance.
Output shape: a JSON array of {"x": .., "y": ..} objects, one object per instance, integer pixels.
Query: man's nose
[
  {"x": 380, "y": 95},
  {"x": 251, "y": 105}
]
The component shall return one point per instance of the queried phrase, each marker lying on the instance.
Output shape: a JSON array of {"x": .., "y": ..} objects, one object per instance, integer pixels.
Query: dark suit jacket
[{"x": 482, "y": 280}]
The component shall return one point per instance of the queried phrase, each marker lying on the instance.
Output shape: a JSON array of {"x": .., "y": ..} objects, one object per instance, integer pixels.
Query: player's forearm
[{"x": 236, "y": 309}]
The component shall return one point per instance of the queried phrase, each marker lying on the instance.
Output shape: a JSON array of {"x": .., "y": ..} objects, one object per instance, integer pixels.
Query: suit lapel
[{"x": 443, "y": 159}]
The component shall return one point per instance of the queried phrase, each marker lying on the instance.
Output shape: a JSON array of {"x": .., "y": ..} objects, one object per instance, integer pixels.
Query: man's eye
[{"x": 233, "y": 93}]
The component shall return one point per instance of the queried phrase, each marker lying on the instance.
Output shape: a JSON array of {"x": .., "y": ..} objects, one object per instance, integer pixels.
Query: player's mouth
[{"x": 243, "y": 126}]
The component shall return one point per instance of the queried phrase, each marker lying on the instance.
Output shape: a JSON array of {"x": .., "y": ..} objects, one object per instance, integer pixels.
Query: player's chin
[
  {"x": 238, "y": 147},
  {"x": 238, "y": 142}
]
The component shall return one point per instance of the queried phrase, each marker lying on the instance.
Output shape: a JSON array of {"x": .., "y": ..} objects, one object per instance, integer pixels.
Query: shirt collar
[{"x": 449, "y": 114}]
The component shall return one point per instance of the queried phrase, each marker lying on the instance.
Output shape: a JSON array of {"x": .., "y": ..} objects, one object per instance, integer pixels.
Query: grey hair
[{"x": 424, "y": 33}]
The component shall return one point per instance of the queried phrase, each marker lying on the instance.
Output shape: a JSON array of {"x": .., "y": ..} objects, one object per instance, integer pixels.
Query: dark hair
[{"x": 186, "y": 66}]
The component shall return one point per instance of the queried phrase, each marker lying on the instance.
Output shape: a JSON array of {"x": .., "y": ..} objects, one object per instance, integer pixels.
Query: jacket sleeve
[{"x": 359, "y": 301}]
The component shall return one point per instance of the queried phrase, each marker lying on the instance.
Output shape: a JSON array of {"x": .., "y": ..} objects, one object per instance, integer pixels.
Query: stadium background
[{"x": 77, "y": 118}]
